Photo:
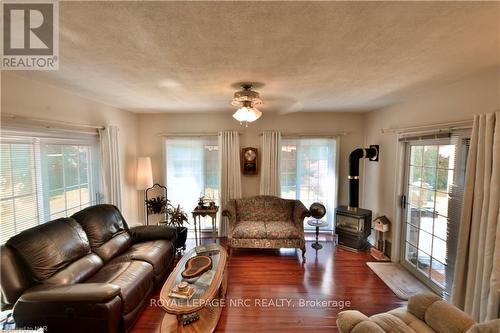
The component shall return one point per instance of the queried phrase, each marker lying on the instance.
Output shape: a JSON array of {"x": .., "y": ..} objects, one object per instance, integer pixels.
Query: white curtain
[
  {"x": 111, "y": 165},
  {"x": 230, "y": 173},
  {"x": 192, "y": 170},
  {"x": 270, "y": 166},
  {"x": 477, "y": 272}
]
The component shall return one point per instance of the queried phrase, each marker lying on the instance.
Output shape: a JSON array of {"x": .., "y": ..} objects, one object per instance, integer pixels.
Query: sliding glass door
[{"x": 432, "y": 204}]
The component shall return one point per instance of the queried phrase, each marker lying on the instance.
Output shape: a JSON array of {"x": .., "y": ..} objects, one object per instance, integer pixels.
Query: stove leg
[{"x": 303, "y": 254}]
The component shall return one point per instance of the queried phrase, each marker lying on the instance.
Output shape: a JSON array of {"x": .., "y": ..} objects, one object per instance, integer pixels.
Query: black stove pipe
[{"x": 354, "y": 157}]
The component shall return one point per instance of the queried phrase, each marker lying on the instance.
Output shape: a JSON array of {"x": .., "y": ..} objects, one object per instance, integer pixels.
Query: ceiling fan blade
[{"x": 282, "y": 104}]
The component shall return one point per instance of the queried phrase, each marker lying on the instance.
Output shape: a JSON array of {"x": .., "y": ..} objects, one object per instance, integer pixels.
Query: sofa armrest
[
  {"x": 300, "y": 212},
  {"x": 441, "y": 316},
  {"x": 229, "y": 211},
  {"x": 144, "y": 233},
  {"x": 81, "y": 292}
]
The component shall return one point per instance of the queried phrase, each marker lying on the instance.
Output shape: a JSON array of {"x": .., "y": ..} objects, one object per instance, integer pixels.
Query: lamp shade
[
  {"x": 144, "y": 178},
  {"x": 248, "y": 114}
]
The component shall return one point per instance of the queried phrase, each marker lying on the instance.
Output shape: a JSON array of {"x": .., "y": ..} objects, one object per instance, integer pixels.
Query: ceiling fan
[{"x": 247, "y": 100}]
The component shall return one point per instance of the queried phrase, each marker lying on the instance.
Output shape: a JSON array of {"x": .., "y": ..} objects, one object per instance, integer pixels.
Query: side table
[
  {"x": 318, "y": 224},
  {"x": 198, "y": 214}
]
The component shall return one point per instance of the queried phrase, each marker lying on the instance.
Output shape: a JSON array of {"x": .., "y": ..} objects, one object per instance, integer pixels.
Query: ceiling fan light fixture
[
  {"x": 246, "y": 99},
  {"x": 247, "y": 115}
]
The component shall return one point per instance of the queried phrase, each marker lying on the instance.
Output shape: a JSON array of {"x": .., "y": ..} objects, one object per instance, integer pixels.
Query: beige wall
[
  {"x": 140, "y": 133},
  {"x": 453, "y": 102},
  {"x": 152, "y": 125},
  {"x": 28, "y": 98}
]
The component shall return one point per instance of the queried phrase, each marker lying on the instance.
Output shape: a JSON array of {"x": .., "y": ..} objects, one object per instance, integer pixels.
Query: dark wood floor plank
[{"x": 331, "y": 274}]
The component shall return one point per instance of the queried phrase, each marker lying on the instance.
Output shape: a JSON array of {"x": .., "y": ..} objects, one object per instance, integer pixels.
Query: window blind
[
  {"x": 456, "y": 195},
  {"x": 19, "y": 186},
  {"x": 43, "y": 178}
]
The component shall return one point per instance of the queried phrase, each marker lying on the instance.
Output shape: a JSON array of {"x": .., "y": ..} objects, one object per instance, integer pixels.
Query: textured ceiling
[{"x": 310, "y": 56}]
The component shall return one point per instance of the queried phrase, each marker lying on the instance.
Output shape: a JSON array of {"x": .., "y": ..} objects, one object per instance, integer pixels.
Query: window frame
[
  {"x": 37, "y": 139},
  {"x": 94, "y": 162}
]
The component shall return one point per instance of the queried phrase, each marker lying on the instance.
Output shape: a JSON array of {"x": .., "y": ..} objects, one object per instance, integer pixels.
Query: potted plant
[
  {"x": 156, "y": 205},
  {"x": 176, "y": 219}
]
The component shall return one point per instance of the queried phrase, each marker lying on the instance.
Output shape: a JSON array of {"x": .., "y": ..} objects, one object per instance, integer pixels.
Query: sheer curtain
[
  {"x": 192, "y": 170},
  {"x": 111, "y": 165},
  {"x": 230, "y": 173},
  {"x": 270, "y": 167},
  {"x": 477, "y": 269},
  {"x": 309, "y": 172}
]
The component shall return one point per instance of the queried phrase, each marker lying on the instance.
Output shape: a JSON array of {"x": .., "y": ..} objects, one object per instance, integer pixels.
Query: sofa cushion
[
  {"x": 135, "y": 279},
  {"x": 367, "y": 327},
  {"x": 115, "y": 246},
  {"x": 348, "y": 319},
  {"x": 158, "y": 253},
  {"x": 390, "y": 323},
  {"x": 50, "y": 247},
  {"x": 101, "y": 223},
  {"x": 281, "y": 230},
  {"x": 78, "y": 271},
  {"x": 413, "y": 322},
  {"x": 106, "y": 229},
  {"x": 250, "y": 229},
  {"x": 264, "y": 208}
]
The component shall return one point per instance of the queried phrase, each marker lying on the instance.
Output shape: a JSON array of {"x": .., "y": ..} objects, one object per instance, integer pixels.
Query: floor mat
[{"x": 398, "y": 279}]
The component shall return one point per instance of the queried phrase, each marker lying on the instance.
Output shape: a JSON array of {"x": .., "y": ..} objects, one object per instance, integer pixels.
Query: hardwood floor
[{"x": 278, "y": 282}]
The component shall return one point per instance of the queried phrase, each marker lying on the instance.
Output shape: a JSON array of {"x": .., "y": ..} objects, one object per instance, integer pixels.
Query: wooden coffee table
[{"x": 207, "y": 301}]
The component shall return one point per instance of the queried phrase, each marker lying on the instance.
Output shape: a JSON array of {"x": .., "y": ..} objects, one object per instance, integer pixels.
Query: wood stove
[{"x": 353, "y": 224}]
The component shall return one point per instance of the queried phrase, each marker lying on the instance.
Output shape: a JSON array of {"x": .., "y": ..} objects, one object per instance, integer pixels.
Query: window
[
  {"x": 308, "y": 172},
  {"x": 67, "y": 169},
  {"x": 43, "y": 178},
  {"x": 434, "y": 187},
  {"x": 192, "y": 170}
]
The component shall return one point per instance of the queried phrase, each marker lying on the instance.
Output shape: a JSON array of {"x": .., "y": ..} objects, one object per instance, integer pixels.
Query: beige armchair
[
  {"x": 425, "y": 313},
  {"x": 266, "y": 222}
]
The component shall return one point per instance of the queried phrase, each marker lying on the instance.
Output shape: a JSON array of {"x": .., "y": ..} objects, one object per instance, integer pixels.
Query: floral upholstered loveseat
[{"x": 266, "y": 222}]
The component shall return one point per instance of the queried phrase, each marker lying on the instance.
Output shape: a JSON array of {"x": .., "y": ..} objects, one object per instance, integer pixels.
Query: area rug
[{"x": 398, "y": 279}]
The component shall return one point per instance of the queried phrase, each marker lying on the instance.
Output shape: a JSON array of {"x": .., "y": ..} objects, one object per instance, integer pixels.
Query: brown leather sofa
[{"x": 86, "y": 273}]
